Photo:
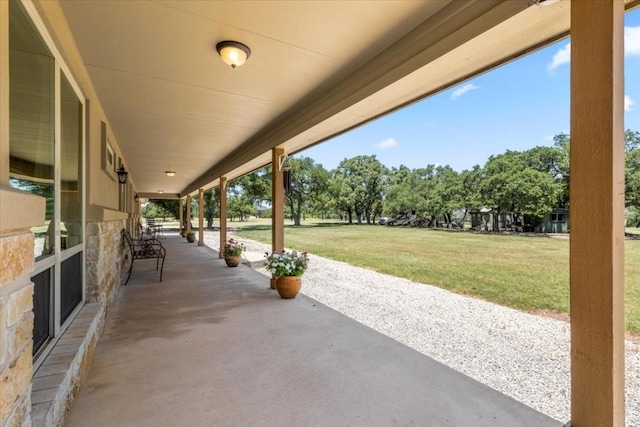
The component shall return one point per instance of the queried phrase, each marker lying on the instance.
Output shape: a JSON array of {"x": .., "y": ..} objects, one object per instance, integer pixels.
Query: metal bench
[
  {"x": 144, "y": 233},
  {"x": 144, "y": 248},
  {"x": 155, "y": 225}
]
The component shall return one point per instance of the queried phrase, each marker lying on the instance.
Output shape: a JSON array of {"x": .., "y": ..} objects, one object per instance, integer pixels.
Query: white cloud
[
  {"x": 464, "y": 89},
  {"x": 548, "y": 138},
  {"x": 562, "y": 56},
  {"x": 631, "y": 47},
  {"x": 386, "y": 143},
  {"x": 632, "y": 40},
  {"x": 628, "y": 102}
]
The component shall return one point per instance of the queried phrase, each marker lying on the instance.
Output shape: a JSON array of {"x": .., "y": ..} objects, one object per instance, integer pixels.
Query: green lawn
[{"x": 526, "y": 273}]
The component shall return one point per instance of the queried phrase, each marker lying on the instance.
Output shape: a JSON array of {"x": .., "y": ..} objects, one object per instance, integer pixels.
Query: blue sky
[{"x": 517, "y": 106}]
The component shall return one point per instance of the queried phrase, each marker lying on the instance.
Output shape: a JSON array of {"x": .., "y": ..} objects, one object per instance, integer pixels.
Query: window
[
  {"x": 71, "y": 116},
  {"x": 32, "y": 120},
  {"x": 46, "y": 151},
  {"x": 557, "y": 217}
]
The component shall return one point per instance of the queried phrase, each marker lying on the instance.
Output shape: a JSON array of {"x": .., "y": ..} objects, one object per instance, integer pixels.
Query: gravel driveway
[{"x": 522, "y": 355}]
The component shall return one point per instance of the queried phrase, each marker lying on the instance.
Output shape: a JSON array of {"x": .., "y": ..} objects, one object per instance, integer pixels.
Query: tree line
[{"x": 361, "y": 189}]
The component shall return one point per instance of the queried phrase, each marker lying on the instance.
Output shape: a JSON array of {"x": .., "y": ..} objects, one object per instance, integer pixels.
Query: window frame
[{"x": 55, "y": 262}]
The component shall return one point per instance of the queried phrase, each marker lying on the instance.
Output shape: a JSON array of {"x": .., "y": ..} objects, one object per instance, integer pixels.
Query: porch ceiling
[{"x": 316, "y": 70}]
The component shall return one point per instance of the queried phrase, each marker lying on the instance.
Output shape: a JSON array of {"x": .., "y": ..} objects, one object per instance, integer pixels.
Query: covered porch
[
  {"x": 213, "y": 345},
  {"x": 146, "y": 93}
]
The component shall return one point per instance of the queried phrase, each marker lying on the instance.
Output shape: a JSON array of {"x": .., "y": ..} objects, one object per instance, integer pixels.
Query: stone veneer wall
[
  {"x": 59, "y": 378},
  {"x": 104, "y": 256},
  {"x": 16, "y": 327},
  {"x": 104, "y": 259}
]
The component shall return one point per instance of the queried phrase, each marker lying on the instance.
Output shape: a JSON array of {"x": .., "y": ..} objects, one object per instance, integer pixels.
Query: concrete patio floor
[{"x": 214, "y": 346}]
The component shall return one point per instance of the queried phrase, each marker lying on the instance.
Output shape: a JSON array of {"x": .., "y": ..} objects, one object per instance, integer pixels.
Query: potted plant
[
  {"x": 287, "y": 268},
  {"x": 232, "y": 252},
  {"x": 191, "y": 237}
]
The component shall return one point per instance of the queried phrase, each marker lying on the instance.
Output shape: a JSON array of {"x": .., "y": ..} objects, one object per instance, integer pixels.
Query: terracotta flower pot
[
  {"x": 288, "y": 286},
  {"x": 233, "y": 261}
]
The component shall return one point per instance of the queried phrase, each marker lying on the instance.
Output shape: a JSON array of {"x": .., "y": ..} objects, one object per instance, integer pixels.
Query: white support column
[
  {"x": 597, "y": 214},
  {"x": 223, "y": 213},
  {"x": 200, "y": 217},
  {"x": 277, "y": 200}
]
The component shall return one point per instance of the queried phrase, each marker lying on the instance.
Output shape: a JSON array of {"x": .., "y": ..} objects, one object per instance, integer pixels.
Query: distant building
[
  {"x": 483, "y": 219},
  {"x": 557, "y": 221}
]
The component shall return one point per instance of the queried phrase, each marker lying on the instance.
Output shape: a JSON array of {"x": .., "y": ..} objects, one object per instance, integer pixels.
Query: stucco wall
[
  {"x": 102, "y": 188},
  {"x": 4, "y": 90}
]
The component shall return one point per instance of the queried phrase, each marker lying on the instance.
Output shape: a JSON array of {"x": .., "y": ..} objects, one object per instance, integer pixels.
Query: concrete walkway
[{"x": 214, "y": 346}]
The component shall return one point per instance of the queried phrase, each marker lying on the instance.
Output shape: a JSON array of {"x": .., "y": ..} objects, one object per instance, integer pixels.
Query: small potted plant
[
  {"x": 191, "y": 237},
  {"x": 232, "y": 252},
  {"x": 287, "y": 268}
]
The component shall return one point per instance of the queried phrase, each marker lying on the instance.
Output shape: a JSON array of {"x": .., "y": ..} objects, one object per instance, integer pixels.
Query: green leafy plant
[
  {"x": 287, "y": 263},
  {"x": 232, "y": 248}
]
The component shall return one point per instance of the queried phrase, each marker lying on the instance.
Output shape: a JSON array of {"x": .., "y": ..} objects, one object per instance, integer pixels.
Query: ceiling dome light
[
  {"x": 233, "y": 53},
  {"x": 170, "y": 173}
]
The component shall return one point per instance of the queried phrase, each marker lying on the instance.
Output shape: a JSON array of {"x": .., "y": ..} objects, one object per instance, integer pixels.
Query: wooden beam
[
  {"x": 277, "y": 200},
  {"x": 189, "y": 214},
  {"x": 223, "y": 213},
  {"x": 181, "y": 217},
  {"x": 200, "y": 217},
  {"x": 597, "y": 214}
]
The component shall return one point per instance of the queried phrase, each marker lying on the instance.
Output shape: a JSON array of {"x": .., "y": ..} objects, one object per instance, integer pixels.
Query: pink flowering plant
[
  {"x": 287, "y": 263},
  {"x": 232, "y": 248}
]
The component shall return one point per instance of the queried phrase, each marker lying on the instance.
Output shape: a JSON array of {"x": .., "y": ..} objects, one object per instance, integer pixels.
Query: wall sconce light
[
  {"x": 122, "y": 175},
  {"x": 170, "y": 173},
  {"x": 136, "y": 198},
  {"x": 233, "y": 53}
]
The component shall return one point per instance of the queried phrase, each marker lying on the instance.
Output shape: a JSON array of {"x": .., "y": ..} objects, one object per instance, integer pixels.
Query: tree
[
  {"x": 164, "y": 208},
  {"x": 400, "y": 194},
  {"x": 365, "y": 177},
  {"x": 308, "y": 180},
  {"x": 632, "y": 172},
  {"x": 470, "y": 188},
  {"x": 322, "y": 204},
  {"x": 631, "y": 140},
  {"x": 255, "y": 187},
  {"x": 446, "y": 194},
  {"x": 632, "y": 167},
  {"x": 211, "y": 199},
  {"x": 509, "y": 185},
  {"x": 342, "y": 195},
  {"x": 553, "y": 161},
  {"x": 245, "y": 193},
  {"x": 240, "y": 207}
]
